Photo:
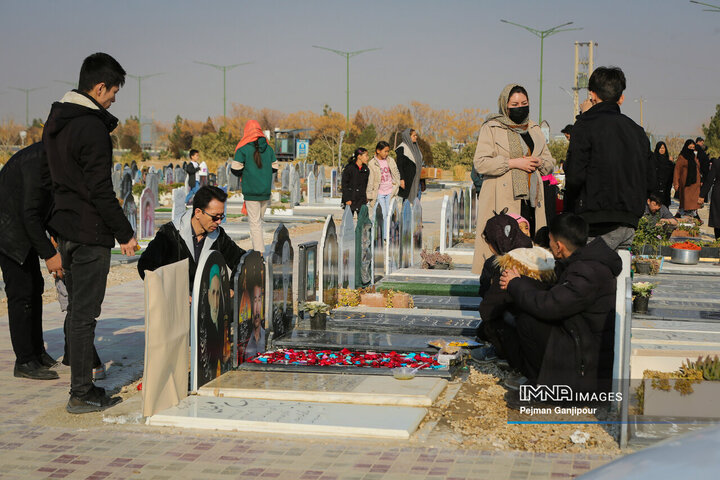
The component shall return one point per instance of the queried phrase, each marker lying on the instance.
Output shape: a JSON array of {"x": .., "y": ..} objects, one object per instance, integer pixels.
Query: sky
[{"x": 450, "y": 54}]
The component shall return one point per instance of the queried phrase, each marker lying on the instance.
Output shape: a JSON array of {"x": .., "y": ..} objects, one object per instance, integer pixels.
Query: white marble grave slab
[
  {"x": 300, "y": 418},
  {"x": 327, "y": 388}
]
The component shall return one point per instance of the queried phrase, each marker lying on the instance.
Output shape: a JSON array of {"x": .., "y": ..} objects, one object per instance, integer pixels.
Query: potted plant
[
  {"x": 436, "y": 260},
  {"x": 317, "y": 312},
  {"x": 642, "y": 291}
]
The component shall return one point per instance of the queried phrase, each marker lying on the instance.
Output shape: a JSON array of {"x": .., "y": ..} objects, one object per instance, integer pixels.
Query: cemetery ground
[{"x": 465, "y": 433}]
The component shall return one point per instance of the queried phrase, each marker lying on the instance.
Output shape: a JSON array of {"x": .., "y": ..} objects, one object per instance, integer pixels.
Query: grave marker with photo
[
  {"x": 126, "y": 185},
  {"x": 393, "y": 241},
  {"x": 279, "y": 288},
  {"x": 363, "y": 249},
  {"x": 250, "y": 337},
  {"x": 152, "y": 182},
  {"x": 346, "y": 243},
  {"x": 378, "y": 239},
  {"x": 147, "y": 214},
  {"x": 130, "y": 210},
  {"x": 328, "y": 263},
  {"x": 307, "y": 272}
]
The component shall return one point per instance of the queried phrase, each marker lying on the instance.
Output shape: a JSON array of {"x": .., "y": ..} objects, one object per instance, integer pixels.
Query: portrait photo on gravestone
[{"x": 249, "y": 315}]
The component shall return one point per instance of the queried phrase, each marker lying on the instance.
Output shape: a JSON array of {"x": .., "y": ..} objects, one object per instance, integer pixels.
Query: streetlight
[
  {"x": 640, "y": 100},
  {"x": 140, "y": 79},
  {"x": 224, "y": 69},
  {"x": 713, "y": 8},
  {"x": 72, "y": 84},
  {"x": 347, "y": 56},
  {"x": 27, "y": 101},
  {"x": 542, "y": 34}
]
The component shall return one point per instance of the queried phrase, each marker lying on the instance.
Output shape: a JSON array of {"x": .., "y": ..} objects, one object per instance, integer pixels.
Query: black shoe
[
  {"x": 46, "y": 360},
  {"x": 514, "y": 382},
  {"x": 95, "y": 401},
  {"x": 483, "y": 355},
  {"x": 34, "y": 370}
]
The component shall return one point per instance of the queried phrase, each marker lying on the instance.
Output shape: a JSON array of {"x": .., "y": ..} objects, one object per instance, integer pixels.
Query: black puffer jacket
[
  {"x": 609, "y": 171},
  {"x": 354, "y": 184},
  {"x": 79, "y": 153},
  {"x": 581, "y": 308},
  {"x": 26, "y": 198}
]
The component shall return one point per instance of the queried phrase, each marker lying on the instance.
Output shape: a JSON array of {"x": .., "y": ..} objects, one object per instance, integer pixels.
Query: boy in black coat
[
  {"x": 609, "y": 171},
  {"x": 26, "y": 197},
  {"x": 198, "y": 230},
  {"x": 566, "y": 332}
]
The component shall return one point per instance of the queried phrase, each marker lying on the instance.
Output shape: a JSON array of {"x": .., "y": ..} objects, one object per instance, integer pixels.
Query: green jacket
[{"x": 256, "y": 182}]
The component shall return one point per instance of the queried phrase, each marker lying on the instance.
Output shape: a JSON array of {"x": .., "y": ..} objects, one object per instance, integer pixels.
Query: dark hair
[
  {"x": 100, "y": 68},
  {"x": 608, "y": 83},
  {"x": 381, "y": 145},
  {"x": 518, "y": 89},
  {"x": 571, "y": 229},
  {"x": 699, "y": 139},
  {"x": 654, "y": 197},
  {"x": 256, "y": 155},
  {"x": 567, "y": 129},
  {"x": 358, "y": 151},
  {"x": 206, "y": 194},
  {"x": 542, "y": 238},
  {"x": 192, "y": 152}
]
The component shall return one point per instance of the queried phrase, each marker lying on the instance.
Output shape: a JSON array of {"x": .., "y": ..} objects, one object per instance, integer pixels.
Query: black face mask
[{"x": 519, "y": 114}]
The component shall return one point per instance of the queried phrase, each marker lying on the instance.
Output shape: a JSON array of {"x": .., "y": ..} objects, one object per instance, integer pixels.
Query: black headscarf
[
  {"x": 503, "y": 234},
  {"x": 689, "y": 155},
  {"x": 661, "y": 156}
]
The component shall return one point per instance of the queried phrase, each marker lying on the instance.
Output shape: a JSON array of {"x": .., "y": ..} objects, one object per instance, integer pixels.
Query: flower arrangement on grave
[
  {"x": 348, "y": 297},
  {"x": 649, "y": 234},
  {"x": 642, "y": 289},
  {"x": 686, "y": 246},
  {"x": 397, "y": 299},
  {"x": 348, "y": 358},
  {"x": 435, "y": 259},
  {"x": 314, "y": 308}
]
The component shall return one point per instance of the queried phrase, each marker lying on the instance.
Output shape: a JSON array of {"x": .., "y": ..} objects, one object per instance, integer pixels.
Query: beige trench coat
[
  {"x": 491, "y": 161},
  {"x": 374, "y": 179}
]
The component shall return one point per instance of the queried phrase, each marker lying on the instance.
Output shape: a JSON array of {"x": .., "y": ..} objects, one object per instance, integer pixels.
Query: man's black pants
[
  {"x": 86, "y": 268},
  {"x": 24, "y": 287}
]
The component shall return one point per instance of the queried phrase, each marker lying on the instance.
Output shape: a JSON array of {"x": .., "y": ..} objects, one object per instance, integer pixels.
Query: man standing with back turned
[{"x": 86, "y": 216}]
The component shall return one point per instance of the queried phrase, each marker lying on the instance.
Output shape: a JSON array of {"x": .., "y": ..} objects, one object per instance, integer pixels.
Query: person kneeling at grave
[
  {"x": 196, "y": 231},
  {"x": 511, "y": 249},
  {"x": 566, "y": 333}
]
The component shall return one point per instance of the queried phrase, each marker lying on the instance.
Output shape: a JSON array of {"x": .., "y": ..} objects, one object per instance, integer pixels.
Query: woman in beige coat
[
  {"x": 512, "y": 156},
  {"x": 384, "y": 179}
]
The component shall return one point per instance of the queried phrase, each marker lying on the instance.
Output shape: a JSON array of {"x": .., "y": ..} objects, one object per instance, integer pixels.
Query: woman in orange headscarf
[{"x": 255, "y": 163}]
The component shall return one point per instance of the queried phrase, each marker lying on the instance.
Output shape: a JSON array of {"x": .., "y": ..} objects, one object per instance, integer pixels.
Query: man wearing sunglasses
[{"x": 197, "y": 231}]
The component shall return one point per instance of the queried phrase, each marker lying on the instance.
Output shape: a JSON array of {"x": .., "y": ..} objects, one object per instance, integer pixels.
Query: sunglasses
[{"x": 214, "y": 218}]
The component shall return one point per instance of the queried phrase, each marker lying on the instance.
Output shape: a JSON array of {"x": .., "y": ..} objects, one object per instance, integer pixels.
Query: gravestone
[
  {"x": 147, "y": 214},
  {"x": 285, "y": 179},
  {"x": 313, "y": 169},
  {"x": 295, "y": 196},
  {"x": 346, "y": 246},
  {"x": 378, "y": 239},
  {"x": 469, "y": 227},
  {"x": 462, "y": 225},
  {"x": 169, "y": 178},
  {"x": 211, "y": 326},
  {"x": 363, "y": 249},
  {"x": 307, "y": 271},
  {"x": 127, "y": 170},
  {"x": 455, "y": 220},
  {"x": 328, "y": 263},
  {"x": 311, "y": 189},
  {"x": 473, "y": 215},
  {"x": 320, "y": 183},
  {"x": 160, "y": 172},
  {"x": 126, "y": 185},
  {"x": 334, "y": 182},
  {"x": 279, "y": 286},
  {"x": 179, "y": 174},
  {"x": 134, "y": 168},
  {"x": 178, "y": 203},
  {"x": 417, "y": 235},
  {"x": 250, "y": 336},
  {"x": 406, "y": 234},
  {"x": 117, "y": 167},
  {"x": 152, "y": 183},
  {"x": 301, "y": 168},
  {"x": 130, "y": 210},
  {"x": 117, "y": 183},
  {"x": 233, "y": 180},
  {"x": 445, "y": 224},
  {"x": 212, "y": 180},
  {"x": 137, "y": 177},
  {"x": 393, "y": 240},
  {"x": 222, "y": 176},
  {"x": 427, "y": 322}
]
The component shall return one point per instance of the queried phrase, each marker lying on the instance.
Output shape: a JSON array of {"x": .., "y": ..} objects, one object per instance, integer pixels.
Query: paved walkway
[{"x": 38, "y": 439}]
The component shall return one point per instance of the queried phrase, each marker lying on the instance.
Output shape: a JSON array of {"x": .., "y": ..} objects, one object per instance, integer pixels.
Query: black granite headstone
[
  {"x": 455, "y": 220},
  {"x": 406, "y": 230},
  {"x": 211, "y": 329},
  {"x": 378, "y": 239},
  {"x": 393, "y": 246},
  {"x": 307, "y": 272},
  {"x": 417, "y": 232},
  {"x": 329, "y": 263},
  {"x": 126, "y": 185},
  {"x": 249, "y": 305},
  {"x": 130, "y": 210},
  {"x": 363, "y": 249},
  {"x": 280, "y": 291}
]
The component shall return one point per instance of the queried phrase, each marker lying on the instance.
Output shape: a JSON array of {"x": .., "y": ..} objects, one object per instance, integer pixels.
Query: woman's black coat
[
  {"x": 354, "y": 183},
  {"x": 712, "y": 178}
]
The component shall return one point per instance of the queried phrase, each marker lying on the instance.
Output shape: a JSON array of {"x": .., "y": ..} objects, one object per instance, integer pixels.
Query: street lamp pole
[
  {"x": 223, "y": 69},
  {"x": 542, "y": 34},
  {"x": 140, "y": 78},
  {"x": 347, "y": 56},
  {"x": 27, "y": 101},
  {"x": 712, "y": 8}
]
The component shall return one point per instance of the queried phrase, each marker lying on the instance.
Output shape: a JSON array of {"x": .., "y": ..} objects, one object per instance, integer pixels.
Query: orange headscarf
[{"x": 251, "y": 133}]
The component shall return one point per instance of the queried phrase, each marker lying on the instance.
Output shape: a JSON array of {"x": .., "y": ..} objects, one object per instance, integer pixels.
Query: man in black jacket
[
  {"x": 192, "y": 168},
  {"x": 702, "y": 158},
  {"x": 609, "y": 172},
  {"x": 87, "y": 217},
  {"x": 26, "y": 197},
  {"x": 566, "y": 333},
  {"x": 197, "y": 231}
]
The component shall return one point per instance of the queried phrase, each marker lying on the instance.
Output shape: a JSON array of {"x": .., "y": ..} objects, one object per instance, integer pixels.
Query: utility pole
[
  {"x": 27, "y": 101},
  {"x": 223, "y": 69},
  {"x": 713, "y": 8},
  {"x": 347, "y": 56},
  {"x": 140, "y": 78},
  {"x": 542, "y": 34},
  {"x": 640, "y": 100},
  {"x": 584, "y": 67}
]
